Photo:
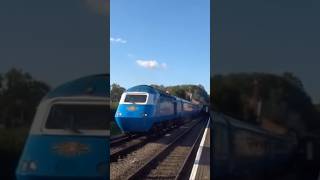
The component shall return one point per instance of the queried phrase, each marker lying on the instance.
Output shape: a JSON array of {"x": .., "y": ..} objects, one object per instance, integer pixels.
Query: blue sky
[{"x": 160, "y": 42}]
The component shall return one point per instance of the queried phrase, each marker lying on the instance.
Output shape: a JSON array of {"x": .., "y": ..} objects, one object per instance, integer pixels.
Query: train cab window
[
  {"x": 135, "y": 98},
  {"x": 78, "y": 117}
]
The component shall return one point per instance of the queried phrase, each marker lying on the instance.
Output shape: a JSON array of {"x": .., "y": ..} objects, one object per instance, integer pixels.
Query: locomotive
[
  {"x": 244, "y": 150},
  {"x": 69, "y": 135},
  {"x": 144, "y": 109}
]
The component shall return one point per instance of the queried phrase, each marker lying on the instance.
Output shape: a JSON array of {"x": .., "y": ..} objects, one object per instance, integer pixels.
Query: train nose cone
[
  {"x": 133, "y": 118},
  {"x": 129, "y": 124}
]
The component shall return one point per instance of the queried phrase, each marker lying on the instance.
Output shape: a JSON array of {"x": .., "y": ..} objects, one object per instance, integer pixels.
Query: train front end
[
  {"x": 69, "y": 135},
  {"x": 70, "y": 144},
  {"x": 135, "y": 113}
]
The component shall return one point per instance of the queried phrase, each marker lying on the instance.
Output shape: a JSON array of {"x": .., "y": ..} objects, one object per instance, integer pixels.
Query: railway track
[
  {"x": 124, "y": 167},
  {"x": 122, "y": 139},
  {"x": 173, "y": 161},
  {"x": 121, "y": 146},
  {"x": 118, "y": 138},
  {"x": 125, "y": 146}
]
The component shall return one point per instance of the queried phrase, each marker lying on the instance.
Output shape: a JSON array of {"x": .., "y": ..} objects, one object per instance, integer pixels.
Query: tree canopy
[
  {"x": 188, "y": 92},
  {"x": 20, "y": 94},
  {"x": 116, "y": 92},
  {"x": 282, "y": 98}
]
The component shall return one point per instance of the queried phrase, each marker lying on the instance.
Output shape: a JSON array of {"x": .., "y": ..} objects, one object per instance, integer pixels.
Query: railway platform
[{"x": 201, "y": 166}]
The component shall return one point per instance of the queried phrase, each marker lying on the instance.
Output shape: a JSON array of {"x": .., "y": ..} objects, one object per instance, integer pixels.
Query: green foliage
[
  {"x": 188, "y": 92},
  {"x": 283, "y": 98},
  {"x": 114, "y": 130},
  {"x": 116, "y": 91},
  {"x": 19, "y": 96}
]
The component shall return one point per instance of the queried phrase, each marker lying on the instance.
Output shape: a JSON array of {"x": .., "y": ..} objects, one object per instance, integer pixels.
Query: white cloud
[
  {"x": 117, "y": 40},
  {"x": 151, "y": 64}
]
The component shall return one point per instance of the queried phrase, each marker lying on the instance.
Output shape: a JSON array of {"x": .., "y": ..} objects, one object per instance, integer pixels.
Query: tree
[
  {"x": 197, "y": 92},
  {"x": 201, "y": 86},
  {"x": 116, "y": 92},
  {"x": 283, "y": 98},
  {"x": 19, "y": 98},
  {"x": 290, "y": 77},
  {"x": 177, "y": 91}
]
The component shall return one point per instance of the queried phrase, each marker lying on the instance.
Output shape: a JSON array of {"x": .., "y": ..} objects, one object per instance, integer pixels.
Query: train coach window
[
  {"x": 135, "y": 98},
  {"x": 78, "y": 117}
]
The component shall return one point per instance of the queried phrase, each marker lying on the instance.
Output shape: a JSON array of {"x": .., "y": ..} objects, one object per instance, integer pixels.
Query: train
[
  {"x": 145, "y": 109},
  {"x": 69, "y": 136},
  {"x": 240, "y": 149}
]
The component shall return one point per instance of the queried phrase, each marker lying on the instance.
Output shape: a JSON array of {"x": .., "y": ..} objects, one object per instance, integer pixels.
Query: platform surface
[{"x": 201, "y": 167}]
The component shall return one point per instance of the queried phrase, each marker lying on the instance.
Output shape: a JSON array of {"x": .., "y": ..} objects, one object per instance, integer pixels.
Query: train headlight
[
  {"x": 119, "y": 114},
  {"x": 29, "y": 166},
  {"x": 145, "y": 114},
  {"x": 33, "y": 166}
]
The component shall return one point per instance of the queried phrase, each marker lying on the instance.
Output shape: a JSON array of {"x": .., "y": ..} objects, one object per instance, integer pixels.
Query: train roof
[
  {"x": 147, "y": 89},
  {"x": 153, "y": 90},
  {"x": 93, "y": 85},
  {"x": 143, "y": 88},
  {"x": 150, "y": 89}
]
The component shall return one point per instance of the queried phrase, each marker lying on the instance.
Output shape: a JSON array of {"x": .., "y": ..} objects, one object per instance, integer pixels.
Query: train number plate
[
  {"x": 71, "y": 148},
  {"x": 132, "y": 108}
]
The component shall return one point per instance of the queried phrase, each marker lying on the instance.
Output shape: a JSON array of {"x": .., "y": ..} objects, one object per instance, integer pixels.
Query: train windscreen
[
  {"x": 135, "y": 98},
  {"x": 78, "y": 117}
]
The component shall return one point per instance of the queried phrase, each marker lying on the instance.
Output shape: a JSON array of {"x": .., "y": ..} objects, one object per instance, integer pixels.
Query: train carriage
[
  {"x": 69, "y": 135},
  {"x": 144, "y": 109},
  {"x": 241, "y": 149}
]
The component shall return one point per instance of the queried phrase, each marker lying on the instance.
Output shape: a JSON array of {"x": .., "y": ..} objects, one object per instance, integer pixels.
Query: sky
[
  {"x": 163, "y": 42},
  {"x": 55, "y": 41},
  {"x": 272, "y": 36}
]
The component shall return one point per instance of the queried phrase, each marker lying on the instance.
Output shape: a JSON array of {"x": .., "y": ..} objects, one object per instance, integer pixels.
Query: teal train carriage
[
  {"x": 144, "y": 109},
  {"x": 69, "y": 135}
]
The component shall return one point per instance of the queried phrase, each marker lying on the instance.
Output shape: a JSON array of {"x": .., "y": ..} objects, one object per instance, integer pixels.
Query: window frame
[{"x": 82, "y": 132}]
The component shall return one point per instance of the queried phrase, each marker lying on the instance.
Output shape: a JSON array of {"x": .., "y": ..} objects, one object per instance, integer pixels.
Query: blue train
[
  {"x": 243, "y": 150},
  {"x": 69, "y": 135},
  {"x": 144, "y": 109}
]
